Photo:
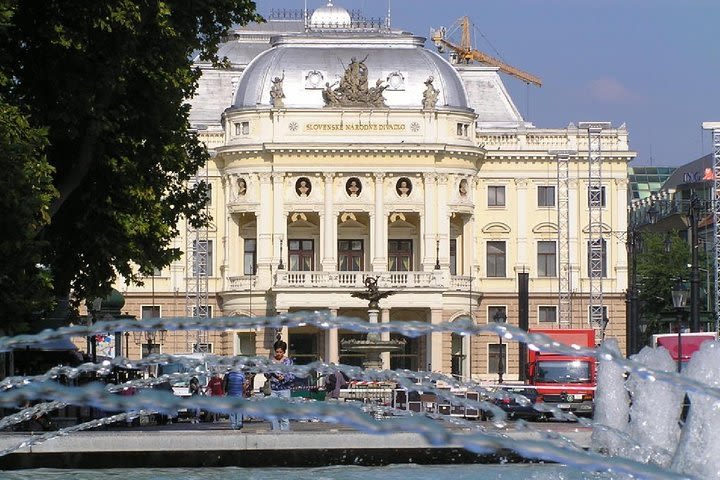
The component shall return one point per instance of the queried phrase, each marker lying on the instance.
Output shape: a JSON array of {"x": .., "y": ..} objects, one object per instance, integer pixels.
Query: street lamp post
[
  {"x": 679, "y": 298},
  {"x": 500, "y": 317},
  {"x": 694, "y": 269},
  {"x": 633, "y": 241}
]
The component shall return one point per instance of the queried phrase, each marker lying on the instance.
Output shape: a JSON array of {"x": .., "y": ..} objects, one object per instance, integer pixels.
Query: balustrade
[{"x": 321, "y": 279}]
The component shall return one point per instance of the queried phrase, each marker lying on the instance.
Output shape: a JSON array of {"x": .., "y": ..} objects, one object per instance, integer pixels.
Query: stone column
[
  {"x": 332, "y": 353},
  {"x": 443, "y": 219},
  {"x": 379, "y": 262},
  {"x": 329, "y": 223},
  {"x": 265, "y": 219},
  {"x": 620, "y": 252},
  {"x": 279, "y": 216},
  {"x": 521, "y": 208},
  {"x": 434, "y": 342},
  {"x": 385, "y": 336},
  {"x": 429, "y": 222}
]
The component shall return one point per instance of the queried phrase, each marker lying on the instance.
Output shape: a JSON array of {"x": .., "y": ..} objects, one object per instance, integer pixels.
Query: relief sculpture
[{"x": 353, "y": 89}]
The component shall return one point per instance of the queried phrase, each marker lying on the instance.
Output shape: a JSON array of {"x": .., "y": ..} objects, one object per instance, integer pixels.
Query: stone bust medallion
[
  {"x": 463, "y": 188},
  {"x": 303, "y": 187},
  {"x": 353, "y": 187},
  {"x": 403, "y": 187}
]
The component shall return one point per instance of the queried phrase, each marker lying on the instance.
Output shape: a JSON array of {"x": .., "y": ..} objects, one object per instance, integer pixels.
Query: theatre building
[{"x": 342, "y": 149}]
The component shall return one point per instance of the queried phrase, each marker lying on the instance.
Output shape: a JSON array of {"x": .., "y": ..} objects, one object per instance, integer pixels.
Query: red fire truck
[{"x": 565, "y": 381}]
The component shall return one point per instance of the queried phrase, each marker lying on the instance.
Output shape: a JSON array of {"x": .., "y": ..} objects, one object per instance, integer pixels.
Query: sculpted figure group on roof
[{"x": 353, "y": 89}]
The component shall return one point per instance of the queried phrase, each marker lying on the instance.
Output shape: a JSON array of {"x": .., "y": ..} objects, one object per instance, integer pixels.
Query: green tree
[
  {"x": 108, "y": 83},
  {"x": 662, "y": 261},
  {"x": 27, "y": 192}
]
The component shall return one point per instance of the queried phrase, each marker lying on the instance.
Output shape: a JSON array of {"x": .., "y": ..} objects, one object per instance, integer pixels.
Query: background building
[{"x": 346, "y": 150}]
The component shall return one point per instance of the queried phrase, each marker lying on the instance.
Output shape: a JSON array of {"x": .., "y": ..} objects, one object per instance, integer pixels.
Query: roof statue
[
  {"x": 276, "y": 91},
  {"x": 373, "y": 295},
  {"x": 430, "y": 94},
  {"x": 353, "y": 90}
]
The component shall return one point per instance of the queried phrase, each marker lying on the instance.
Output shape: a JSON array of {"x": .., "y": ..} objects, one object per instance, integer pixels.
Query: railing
[
  {"x": 354, "y": 280},
  {"x": 357, "y": 279}
]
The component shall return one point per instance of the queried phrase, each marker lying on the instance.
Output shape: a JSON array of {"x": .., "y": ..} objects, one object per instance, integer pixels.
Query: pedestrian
[
  {"x": 280, "y": 382},
  {"x": 165, "y": 386},
  {"x": 334, "y": 382},
  {"x": 215, "y": 388},
  {"x": 195, "y": 390},
  {"x": 234, "y": 385}
]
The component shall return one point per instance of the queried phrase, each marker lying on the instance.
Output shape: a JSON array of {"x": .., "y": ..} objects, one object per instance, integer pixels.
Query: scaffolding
[
  {"x": 197, "y": 273},
  {"x": 563, "y": 242},
  {"x": 596, "y": 243},
  {"x": 715, "y": 128}
]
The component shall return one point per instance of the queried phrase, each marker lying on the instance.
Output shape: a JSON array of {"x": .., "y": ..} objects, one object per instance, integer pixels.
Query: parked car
[{"x": 518, "y": 401}]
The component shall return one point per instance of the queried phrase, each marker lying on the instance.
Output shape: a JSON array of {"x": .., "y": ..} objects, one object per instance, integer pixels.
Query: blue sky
[{"x": 651, "y": 64}]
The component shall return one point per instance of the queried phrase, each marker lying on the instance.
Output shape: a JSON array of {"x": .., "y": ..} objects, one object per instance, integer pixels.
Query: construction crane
[{"x": 465, "y": 53}]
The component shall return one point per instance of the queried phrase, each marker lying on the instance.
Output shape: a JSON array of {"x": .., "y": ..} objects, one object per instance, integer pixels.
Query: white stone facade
[{"x": 338, "y": 194}]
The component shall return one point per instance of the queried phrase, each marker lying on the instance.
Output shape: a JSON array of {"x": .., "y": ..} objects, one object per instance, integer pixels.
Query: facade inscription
[{"x": 355, "y": 127}]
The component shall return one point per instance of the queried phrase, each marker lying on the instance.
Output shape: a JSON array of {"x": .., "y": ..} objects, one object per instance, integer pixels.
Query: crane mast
[{"x": 467, "y": 54}]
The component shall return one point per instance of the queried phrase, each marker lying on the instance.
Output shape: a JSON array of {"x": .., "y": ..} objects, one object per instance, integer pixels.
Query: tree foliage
[
  {"x": 663, "y": 259},
  {"x": 108, "y": 83}
]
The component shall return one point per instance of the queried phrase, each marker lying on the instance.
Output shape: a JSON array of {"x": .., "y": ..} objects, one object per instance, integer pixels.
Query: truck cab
[
  {"x": 690, "y": 343},
  {"x": 565, "y": 382}
]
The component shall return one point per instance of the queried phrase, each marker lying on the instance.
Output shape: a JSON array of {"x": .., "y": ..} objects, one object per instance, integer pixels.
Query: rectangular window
[
  {"x": 202, "y": 255},
  {"x": 547, "y": 259},
  {"x": 245, "y": 128},
  {"x": 301, "y": 254},
  {"x": 238, "y": 129},
  {"x": 466, "y": 127},
  {"x": 150, "y": 349},
  {"x": 203, "y": 311},
  {"x": 597, "y": 315},
  {"x": 202, "y": 347},
  {"x": 453, "y": 256},
  {"x": 495, "y": 352},
  {"x": 597, "y": 258},
  {"x": 249, "y": 256},
  {"x": 596, "y": 196},
  {"x": 547, "y": 314},
  {"x": 303, "y": 348},
  {"x": 400, "y": 255},
  {"x": 496, "y": 196},
  {"x": 459, "y": 129},
  {"x": 496, "y": 259},
  {"x": 147, "y": 311},
  {"x": 546, "y": 196},
  {"x": 246, "y": 344},
  {"x": 351, "y": 256},
  {"x": 496, "y": 313}
]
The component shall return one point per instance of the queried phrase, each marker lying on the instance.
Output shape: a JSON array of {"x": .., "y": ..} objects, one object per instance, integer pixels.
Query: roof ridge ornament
[{"x": 353, "y": 89}]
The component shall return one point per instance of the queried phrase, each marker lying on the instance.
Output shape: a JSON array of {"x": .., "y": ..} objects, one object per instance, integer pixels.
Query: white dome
[
  {"x": 330, "y": 16},
  {"x": 306, "y": 64}
]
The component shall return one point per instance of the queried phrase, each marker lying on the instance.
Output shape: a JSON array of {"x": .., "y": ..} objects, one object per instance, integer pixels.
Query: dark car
[{"x": 518, "y": 402}]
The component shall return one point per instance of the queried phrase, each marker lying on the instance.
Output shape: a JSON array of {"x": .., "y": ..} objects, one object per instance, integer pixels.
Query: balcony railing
[
  {"x": 354, "y": 280},
  {"x": 357, "y": 279}
]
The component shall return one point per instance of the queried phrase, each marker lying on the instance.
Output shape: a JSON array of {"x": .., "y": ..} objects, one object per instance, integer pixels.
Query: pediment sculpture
[{"x": 353, "y": 90}]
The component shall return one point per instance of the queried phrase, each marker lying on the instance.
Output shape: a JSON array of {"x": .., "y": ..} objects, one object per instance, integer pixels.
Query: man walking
[{"x": 233, "y": 386}]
